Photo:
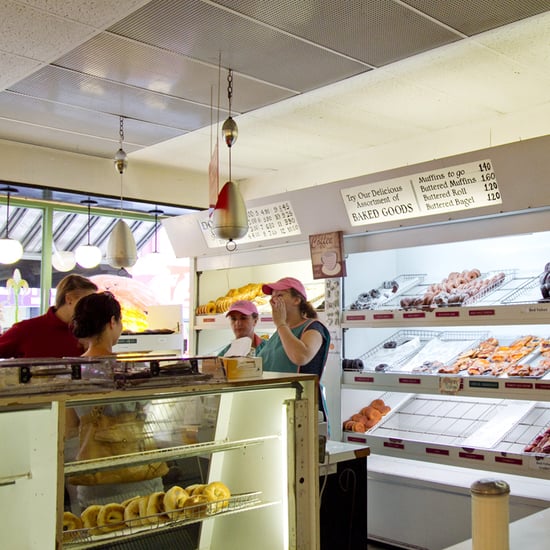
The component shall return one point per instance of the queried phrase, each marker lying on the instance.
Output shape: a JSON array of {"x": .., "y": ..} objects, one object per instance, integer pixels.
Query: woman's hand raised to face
[{"x": 278, "y": 309}]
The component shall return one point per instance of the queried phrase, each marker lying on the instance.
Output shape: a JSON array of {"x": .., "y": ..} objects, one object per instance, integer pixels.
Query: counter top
[{"x": 531, "y": 532}]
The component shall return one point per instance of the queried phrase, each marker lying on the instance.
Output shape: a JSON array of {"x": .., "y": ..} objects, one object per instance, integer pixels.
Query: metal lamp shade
[
  {"x": 121, "y": 248},
  {"x": 229, "y": 220}
]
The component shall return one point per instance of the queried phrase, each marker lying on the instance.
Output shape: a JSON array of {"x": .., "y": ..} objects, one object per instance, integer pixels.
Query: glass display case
[{"x": 118, "y": 465}]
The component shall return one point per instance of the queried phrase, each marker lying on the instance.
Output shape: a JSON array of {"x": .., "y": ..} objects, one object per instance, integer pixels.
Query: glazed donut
[
  {"x": 195, "y": 506},
  {"x": 70, "y": 523},
  {"x": 219, "y": 493},
  {"x": 110, "y": 517},
  {"x": 348, "y": 425},
  {"x": 359, "y": 427},
  {"x": 89, "y": 516},
  {"x": 131, "y": 512},
  {"x": 173, "y": 501},
  {"x": 155, "y": 508},
  {"x": 195, "y": 489},
  {"x": 142, "y": 511}
]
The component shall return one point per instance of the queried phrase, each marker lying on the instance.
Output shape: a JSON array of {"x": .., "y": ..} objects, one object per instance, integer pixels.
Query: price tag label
[
  {"x": 265, "y": 222},
  {"x": 450, "y": 384},
  {"x": 462, "y": 187}
]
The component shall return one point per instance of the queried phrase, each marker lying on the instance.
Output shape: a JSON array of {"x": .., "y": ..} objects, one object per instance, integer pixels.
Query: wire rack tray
[
  {"x": 382, "y": 353},
  {"x": 404, "y": 282},
  {"x": 529, "y": 292},
  {"x": 84, "y": 538}
]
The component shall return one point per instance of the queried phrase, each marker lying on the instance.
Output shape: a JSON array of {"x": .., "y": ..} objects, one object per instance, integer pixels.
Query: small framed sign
[{"x": 327, "y": 255}]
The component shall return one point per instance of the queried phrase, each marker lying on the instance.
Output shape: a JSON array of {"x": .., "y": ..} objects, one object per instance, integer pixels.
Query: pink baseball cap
[
  {"x": 243, "y": 306},
  {"x": 285, "y": 284}
]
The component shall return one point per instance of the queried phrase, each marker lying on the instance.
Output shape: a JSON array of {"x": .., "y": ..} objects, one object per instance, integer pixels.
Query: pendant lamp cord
[
  {"x": 8, "y": 216},
  {"x": 89, "y": 206}
]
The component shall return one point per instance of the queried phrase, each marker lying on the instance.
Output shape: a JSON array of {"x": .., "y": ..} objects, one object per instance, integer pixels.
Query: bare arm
[{"x": 300, "y": 351}]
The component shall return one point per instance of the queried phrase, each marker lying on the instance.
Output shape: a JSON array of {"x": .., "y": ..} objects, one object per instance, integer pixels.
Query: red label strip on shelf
[
  {"x": 481, "y": 312},
  {"x": 355, "y": 439},
  {"x": 469, "y": 454},
  {"x": 394, "y": 445},
  {"x": 363, "y": 378},
  {"x": 521, "y": 385},
  {"x": 414, "y": 315},
  {"x": 383, "y": 316},
  {"x": 432, "y": 451},
  {"x": 509, "y": 460},
  {"x": 356, "y": 317},
  {"x": 410, "y": 381},
  {"x": 542, "y": 386},
  {"x": 447, "y": 314}
]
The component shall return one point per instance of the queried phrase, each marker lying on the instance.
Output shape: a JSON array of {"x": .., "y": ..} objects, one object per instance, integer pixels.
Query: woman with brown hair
[
  {"x": 49, "y": 335},
  {"x": 301, "y": 342}
]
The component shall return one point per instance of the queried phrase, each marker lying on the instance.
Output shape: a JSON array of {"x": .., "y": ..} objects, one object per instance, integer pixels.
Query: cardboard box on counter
[{"x": 243, "y": 368}]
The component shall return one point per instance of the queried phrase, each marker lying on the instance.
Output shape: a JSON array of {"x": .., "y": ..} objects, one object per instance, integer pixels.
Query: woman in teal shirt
[{"x": 301, "y": 342}]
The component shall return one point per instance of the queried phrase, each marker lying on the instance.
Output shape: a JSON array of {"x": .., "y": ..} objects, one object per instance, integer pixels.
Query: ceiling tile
[
  {"x": 50, "y": 37},
  {"x": 356, "y": 28},
  {"x": 476, "y": 16},
  {"x": 14, "y": 68},
  {"x": 249, "y": 48},
  {"x": 122, "y": 60}
]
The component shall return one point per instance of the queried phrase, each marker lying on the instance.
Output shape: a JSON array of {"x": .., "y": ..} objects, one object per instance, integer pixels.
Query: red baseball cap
[
  {"x": 243, "y": 306},
  {"x": 285, "y": 284}
]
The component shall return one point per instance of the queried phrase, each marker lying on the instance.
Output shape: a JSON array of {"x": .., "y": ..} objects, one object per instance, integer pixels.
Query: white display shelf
[
  {"x": 445, "y": 384},
  {"x": 488, "y": 434},
  {"x": 220, "y": 321},
  {"x": 519, "y": 314}
]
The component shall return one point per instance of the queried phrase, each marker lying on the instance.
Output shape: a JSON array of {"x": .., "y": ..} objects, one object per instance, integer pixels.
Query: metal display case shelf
[
  {"x": 518, "y": 314},
  {"x": 488, "y": 434},
  {"x": 93, "y": 538}
]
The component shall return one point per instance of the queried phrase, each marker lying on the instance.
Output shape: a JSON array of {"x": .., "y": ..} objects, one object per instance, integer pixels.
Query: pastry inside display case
[{"x": 161, "y": 449}]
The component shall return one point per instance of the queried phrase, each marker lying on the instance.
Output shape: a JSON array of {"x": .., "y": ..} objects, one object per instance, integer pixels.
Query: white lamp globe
[
  {"x": 88, "y": 256},
  {"x": 11, "y": 251},
  {"x": 63, "y": 260}
]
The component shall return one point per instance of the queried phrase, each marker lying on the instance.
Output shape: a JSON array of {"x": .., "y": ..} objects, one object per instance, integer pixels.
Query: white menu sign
[
  {"x": 269, "y": 221},
  {"x": 461, "y": 187}
]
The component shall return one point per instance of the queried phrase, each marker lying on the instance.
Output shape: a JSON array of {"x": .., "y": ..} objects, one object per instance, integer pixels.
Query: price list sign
[
  {"x": 265, "y": 222},
  {"x": 461, "y": 187}
]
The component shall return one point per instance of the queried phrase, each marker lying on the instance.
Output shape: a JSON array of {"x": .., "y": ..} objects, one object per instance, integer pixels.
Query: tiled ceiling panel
[
  {"x": 62, "y": 86},
  {"x": 476, "y": 16},
  {"x": 118, "y": 59},
  {"x": 246, "y": 46},
  {"x": 376, "y": 32},
  {"x": 306, "y": 85}
]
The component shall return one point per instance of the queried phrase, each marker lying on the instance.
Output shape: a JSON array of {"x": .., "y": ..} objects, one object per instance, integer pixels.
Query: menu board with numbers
[
  {"x": 462, "y": 187},
  {"x": 269, "y": 221}
]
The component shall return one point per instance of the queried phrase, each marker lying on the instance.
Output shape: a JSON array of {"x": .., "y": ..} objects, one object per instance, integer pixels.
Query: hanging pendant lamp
[
  {"x": 121, "y": 247},
  {"x": 11, "y": 250},
  {"x": 229, "y": 219},
  {"x": 87, "y": 255}
]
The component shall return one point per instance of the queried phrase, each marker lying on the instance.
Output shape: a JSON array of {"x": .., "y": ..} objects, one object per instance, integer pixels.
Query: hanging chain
[
  {"x": 230, "y": 88},
  {"x": 121, "y": 131}
]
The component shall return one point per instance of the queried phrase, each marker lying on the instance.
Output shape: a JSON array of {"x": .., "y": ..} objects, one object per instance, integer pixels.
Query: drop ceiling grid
[
  {"x": 79, "y": 90},
  {"x": 140, "y": 65},
  {"x": 376, "y": 32},
  {"x": 248, "y": 47},
  {"x": 476, "y": 16}
]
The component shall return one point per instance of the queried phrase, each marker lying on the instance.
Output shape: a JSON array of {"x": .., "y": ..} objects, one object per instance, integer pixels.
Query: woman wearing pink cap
[
  {"x": 243, "y": 315},
  {"x": 301, "y": 342}
]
